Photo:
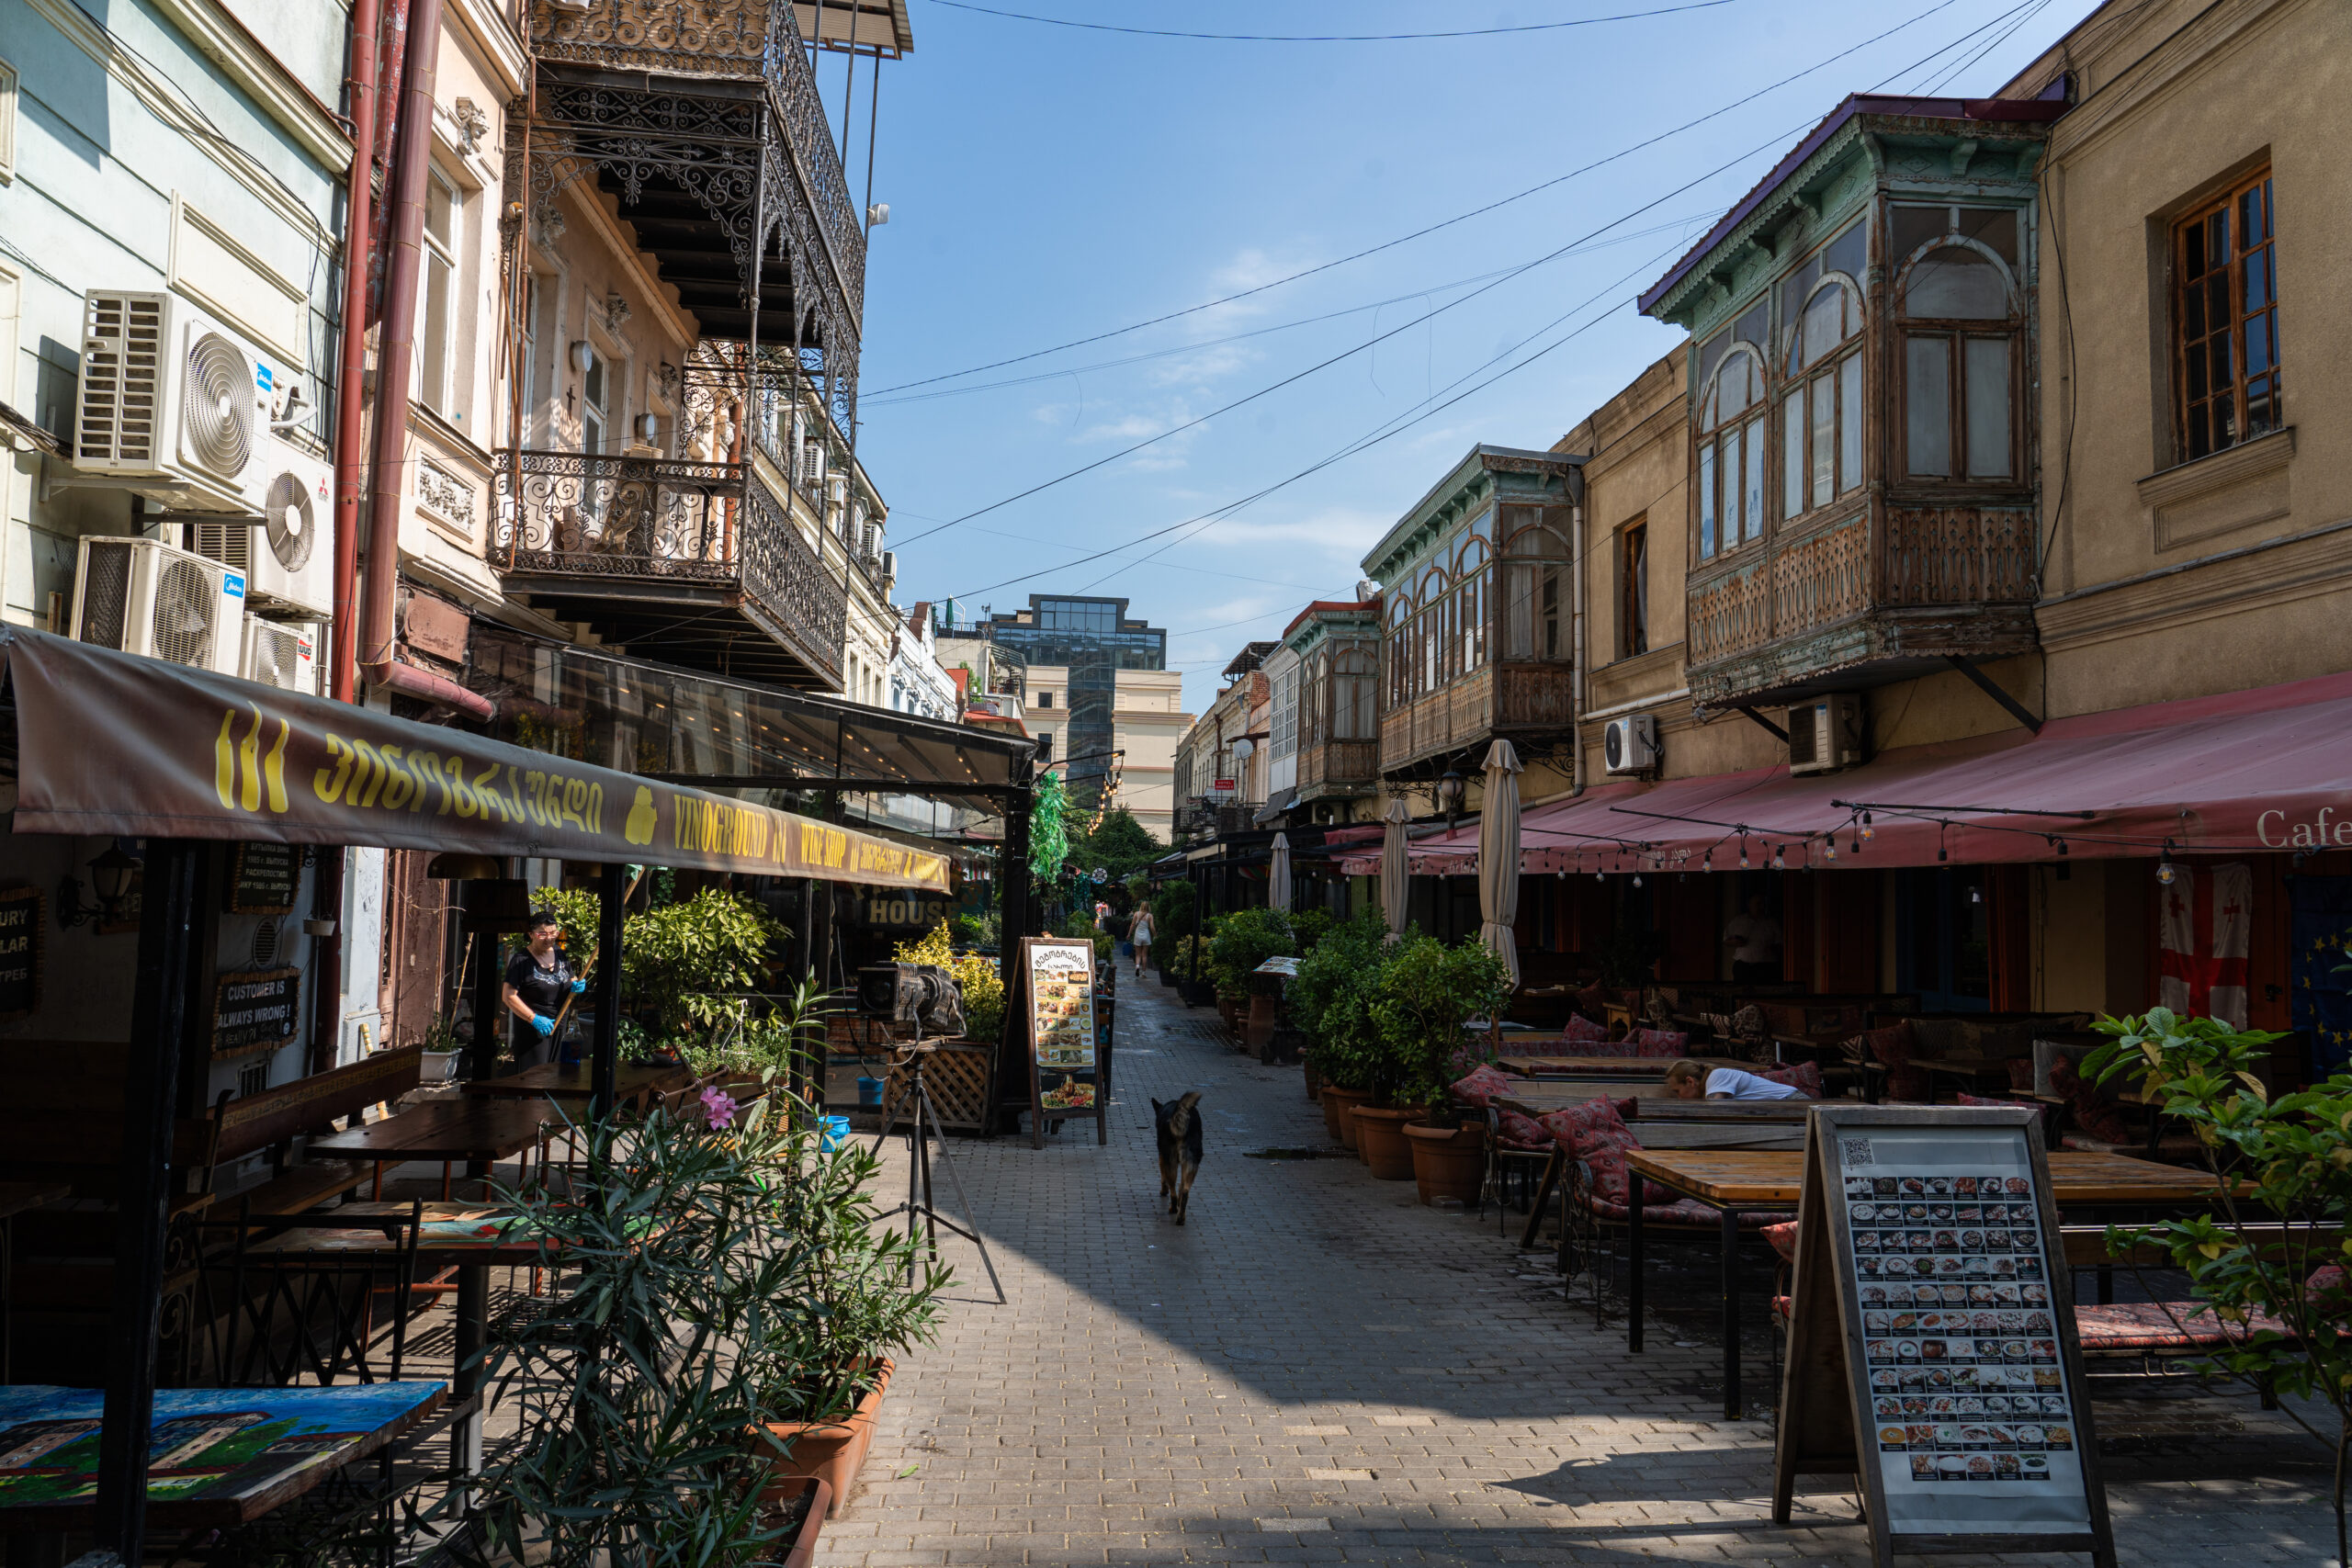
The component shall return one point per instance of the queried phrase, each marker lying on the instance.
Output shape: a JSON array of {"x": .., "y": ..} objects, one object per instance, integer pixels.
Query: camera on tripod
[{"x": 923, "y": 994}]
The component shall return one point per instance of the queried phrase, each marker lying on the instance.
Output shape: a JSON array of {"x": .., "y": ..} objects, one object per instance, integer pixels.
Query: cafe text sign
[
  {"x": 255, "y": 1010},
  {"x": 1932, "y": 1349},
  {"x": 23, "y": 930}
]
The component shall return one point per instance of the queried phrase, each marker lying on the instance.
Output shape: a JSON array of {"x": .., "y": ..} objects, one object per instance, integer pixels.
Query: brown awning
[{"x": 110, "y": 743}]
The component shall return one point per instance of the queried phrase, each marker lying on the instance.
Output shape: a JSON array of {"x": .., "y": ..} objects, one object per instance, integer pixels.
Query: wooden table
[
  {"x": 222, "y": 1457},
  {"x": 16, "y": 1196},
  {"x": 1604, "y": 1066},
  {"x": 1971, "y": 1071},
  {"x": 631, "y": 1080},
  {"x": 1734, "y": 1182}
]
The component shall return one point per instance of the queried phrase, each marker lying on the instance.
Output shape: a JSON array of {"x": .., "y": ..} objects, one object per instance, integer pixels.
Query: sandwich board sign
[
  {"x": 1065, "y": 1063},
  {"x": 1932, "y": 1349}
]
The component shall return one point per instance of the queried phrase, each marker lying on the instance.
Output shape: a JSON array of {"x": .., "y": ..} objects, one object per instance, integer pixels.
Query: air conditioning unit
[
  {"x": 171, "y": 403},
  {"x": 284, "y": 654},
  {"x": 1825, "y": 734},
  {"x": 288, "y": 558},
  {"x": 812, "y": 464},
  {"x": 143, "y": 596},
  {"x": 1630, "y": 744}
]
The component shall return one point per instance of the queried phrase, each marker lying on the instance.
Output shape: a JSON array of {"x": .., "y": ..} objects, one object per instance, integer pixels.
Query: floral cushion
[
  {"x": 1659, "y": 1042},
  {"x": 2153, "y": 1326},
  {"x": 1592, "y": 1000},
  {"x": 2094, "y": 1116},
  {"x": 1482, "y": 1084},
  {"x": 2020, "y": 1070},
  {"x": 1595, "y": 1133},
  {"x": 1805, "y": 1076},
  {"x": 1747, "y": 1023},
  {"x": 1897, "y": 1048},
  {"x": 1514, "y": 1131},
  {"x": 1784, "y": 1239},
  {"x": 1581, "y": 1028}
]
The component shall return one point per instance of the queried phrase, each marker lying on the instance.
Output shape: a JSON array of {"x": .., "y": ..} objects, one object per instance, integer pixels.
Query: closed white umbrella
[
  {"x": 1278, "y": 876},
  {"x": 1499, "y": 856},
  {"x": 1393, "y": 889}
]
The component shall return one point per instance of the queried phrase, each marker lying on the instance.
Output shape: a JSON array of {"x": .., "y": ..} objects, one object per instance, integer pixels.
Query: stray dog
[{"x": 1180, "y": 1150}]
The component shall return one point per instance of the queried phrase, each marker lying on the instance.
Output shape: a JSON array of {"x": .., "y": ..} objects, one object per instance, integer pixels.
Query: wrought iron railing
[
  {"x": 617, "y": 520},
  {"x": 725, "y": 39}
]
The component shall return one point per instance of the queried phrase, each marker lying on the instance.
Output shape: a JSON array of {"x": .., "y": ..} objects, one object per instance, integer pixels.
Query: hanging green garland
[{"x": 1049, "y": 839}]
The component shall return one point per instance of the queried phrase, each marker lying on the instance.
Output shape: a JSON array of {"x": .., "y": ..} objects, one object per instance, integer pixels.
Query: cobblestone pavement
[{"x": 1316, "y": 1369}]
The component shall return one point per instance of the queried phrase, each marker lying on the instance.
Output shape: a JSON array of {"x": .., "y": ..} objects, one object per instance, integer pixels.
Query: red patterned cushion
[
  {"x": 1482, "y": 1084},
  {"x": 1659, "y": 1042},
  {"x": 1895, "y": 1046},
  {"x": 1805, "y": 1076},
  {"x": 1595, "y": 1133},
  {"x": 2020, "y": 1070},
  {"x": 1784, "y": 1239},
  {"x": 1581, "y": 1028},
  {"x": 2153, "y": 1326},
  {"x": 1591, "y": 1000},
  {"x": 1681, "y": 1212},
  {"x": 2097, "y": 1117},
  {"x": 1517, "y": 1132}
]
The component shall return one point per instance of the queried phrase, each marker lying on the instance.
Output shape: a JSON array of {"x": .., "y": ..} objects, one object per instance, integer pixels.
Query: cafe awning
[
  {"x": 2238, "y": 773},
  {"x": 110, "y": 743}
]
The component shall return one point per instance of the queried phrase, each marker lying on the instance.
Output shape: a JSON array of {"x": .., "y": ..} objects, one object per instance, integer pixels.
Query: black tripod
[{"x": 919, "y": 1205}]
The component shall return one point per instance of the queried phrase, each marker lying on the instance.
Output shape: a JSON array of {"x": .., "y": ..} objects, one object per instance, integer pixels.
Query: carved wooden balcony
[
  {"x": 1498, "y": 700},
  {"x": 1849, "y": 604},
  {"x": 695, "y": 564},
  {"x": 1338, "y": 767}
]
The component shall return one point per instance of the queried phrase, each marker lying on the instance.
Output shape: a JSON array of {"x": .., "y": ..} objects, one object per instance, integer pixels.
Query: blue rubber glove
[
  {"x": 578, "y": 987},
  {"x": 545, "y": 1025}
]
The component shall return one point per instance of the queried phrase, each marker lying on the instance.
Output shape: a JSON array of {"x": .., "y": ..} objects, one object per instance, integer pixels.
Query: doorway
[{"x": 1943, "y": 932}]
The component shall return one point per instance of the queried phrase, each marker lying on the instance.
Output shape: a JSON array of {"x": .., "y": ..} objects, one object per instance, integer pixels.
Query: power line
[
  {"x": 1444, "y": 224},
  {"x": 1329, "y": 38}
]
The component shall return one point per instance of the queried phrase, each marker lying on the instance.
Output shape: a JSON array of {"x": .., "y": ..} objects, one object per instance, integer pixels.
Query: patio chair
[{"x": 275, "y": 1316}]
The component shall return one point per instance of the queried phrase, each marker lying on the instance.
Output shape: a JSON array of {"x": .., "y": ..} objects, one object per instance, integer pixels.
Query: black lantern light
[
  {"x": 110, "y": 874},
  {"x": 1450, "y": 788}
]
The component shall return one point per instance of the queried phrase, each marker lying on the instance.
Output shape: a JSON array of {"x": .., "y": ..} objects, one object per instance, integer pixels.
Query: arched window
[
  {"x": 1821, "y": 410},
  {"x": 1535, "y": 602},
  {"x": 1314, "y": 694},
  {"x": 1353, "y": 711},
  {"x": 1731, "y": 453},
  {"x": 1958, "y": 301}
]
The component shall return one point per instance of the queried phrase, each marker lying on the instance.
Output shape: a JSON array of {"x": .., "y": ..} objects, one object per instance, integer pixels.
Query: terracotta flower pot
[
  {"x": 831, "y": 1451},
  {"x": 802, "y": 1553},
  {"x": 1337, "y": 1103},
  {"x": 1260, "y": 1029},
  {"x": 1380, "y": 1139},
  {"x": 1448, "y": 1162}
]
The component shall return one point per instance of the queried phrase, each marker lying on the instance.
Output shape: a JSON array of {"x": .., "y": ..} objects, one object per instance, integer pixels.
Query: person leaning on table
[
  {"x": 537, "y": 979},
  {"x": 1690, "y": 1080}
]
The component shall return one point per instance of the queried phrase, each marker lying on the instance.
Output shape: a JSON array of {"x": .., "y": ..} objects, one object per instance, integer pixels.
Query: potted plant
[
  {"x": 1425, "y": 995},
  {"x": 1245, "y": 940},
  {"x": 1327, "y": 1001}
]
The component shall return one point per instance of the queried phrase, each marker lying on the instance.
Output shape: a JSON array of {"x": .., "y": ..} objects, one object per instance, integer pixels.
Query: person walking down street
[
  {"x": 538, "y": 981},
  {"x": 1754, "y": 939},
  {"x": 1141, "y": 935}
]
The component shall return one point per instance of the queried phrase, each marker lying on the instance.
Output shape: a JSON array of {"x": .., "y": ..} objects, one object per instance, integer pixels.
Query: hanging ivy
[{"x": 1048, "y": 838}]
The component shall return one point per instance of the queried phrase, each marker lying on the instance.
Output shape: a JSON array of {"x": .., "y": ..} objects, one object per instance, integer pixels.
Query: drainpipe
[
  {"x": 351, "y": 413},
  {"x": 1576, "y": 616},
  {"x": 396, "y": 351}
]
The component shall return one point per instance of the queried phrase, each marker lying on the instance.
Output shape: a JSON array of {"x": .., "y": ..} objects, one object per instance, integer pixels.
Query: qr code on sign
[{"x": 1856, "y": 1150}]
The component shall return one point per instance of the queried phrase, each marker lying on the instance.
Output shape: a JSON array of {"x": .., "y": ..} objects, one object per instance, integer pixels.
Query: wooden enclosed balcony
[
  {"x": 1500, "y": 700},
  {"x": 1338, "y": 767},
  {"x": 693, "y": 564}
]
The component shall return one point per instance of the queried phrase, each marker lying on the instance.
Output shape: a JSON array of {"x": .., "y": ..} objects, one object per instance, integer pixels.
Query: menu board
[
  {"x": 263, "y": 879},
  {"x": 1064, "y": 1058},
  {"x": 255, "y": 1010},
  {"x": 23, "y": 929},
  {"x": 1942, "y": 1294}
]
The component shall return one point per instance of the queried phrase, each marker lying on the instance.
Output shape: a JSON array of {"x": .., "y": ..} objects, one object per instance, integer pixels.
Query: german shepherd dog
[{"x": 1180, "y": 1150}]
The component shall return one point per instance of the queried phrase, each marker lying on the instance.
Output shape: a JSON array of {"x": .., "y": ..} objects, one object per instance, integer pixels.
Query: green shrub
[
  {"x": 1172, "y": 909},
  {"x": 1311, "y": 925},
  {"x": 687, "y": 965},
  {"x": 977, "y": 974},
  {"x": 1330, "y": 1001},
  {"x": 1247, "y": 939},
  {"x": 1425, "y": 993}
]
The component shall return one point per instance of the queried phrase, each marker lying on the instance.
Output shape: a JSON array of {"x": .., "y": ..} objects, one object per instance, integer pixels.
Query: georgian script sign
[
  {"x": 255, "y": 1010},
  {"x": 23, "y": 929},
  {"x": 111, "y": 744},
  {"x": 1065, "y": 1081},
  {"x": 1932, "y": 1348},
  {"x": 263, "y": 880}
]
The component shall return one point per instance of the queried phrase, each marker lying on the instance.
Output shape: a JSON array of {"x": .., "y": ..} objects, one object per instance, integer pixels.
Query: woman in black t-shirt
[{"x": 538, "y": 980}]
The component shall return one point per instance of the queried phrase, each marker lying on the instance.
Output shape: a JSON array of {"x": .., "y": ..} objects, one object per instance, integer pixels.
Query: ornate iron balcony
[{"x": 695, "y": 563}]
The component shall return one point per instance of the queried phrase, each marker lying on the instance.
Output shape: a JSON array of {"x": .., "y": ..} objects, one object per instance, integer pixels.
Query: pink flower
[{"x": 720, "y": 1107}]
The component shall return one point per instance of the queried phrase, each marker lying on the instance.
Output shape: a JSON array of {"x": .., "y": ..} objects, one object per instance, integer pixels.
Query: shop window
[
  {"x": 1731, "y": 454},
  {"x": 2225, "y": 322},
  {"x": 1959, "y": 305},
  {"x": 1633, "y": 589}
]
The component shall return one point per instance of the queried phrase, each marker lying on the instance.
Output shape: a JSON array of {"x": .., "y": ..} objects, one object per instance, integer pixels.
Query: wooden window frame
[
  {"x": 1632, "y": 588},
  {"x": 1954, "y": 331},
  {"x": 2225, "y": 204}
]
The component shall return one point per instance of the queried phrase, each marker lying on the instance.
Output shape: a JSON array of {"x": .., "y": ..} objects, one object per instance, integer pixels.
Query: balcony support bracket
[
  {"x": 1764, "y": 723},
  {"x": 1992, "y": 688}
]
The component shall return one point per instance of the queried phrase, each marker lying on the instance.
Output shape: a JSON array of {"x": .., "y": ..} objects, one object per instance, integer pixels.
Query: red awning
[{"x": 2269, "y": 769}]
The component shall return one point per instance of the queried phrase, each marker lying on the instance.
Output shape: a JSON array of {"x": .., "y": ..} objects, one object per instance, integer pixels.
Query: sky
[{"x": 1051, "y": 184}]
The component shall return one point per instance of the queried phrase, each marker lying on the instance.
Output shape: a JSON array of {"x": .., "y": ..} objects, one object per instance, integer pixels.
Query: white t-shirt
[
  {"x": 1747, "y": 1086},
  {"x": 1757, "y": 939}
]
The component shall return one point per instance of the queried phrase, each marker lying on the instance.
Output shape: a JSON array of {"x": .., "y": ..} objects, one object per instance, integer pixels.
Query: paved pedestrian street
[{"x": 1316, "y": 1369}]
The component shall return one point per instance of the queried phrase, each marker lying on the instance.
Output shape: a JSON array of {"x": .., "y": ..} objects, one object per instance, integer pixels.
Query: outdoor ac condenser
[
  {"x": 288, "y": 558},
  {"x": 170, "y": 402},
  {"x": 1630, "y": 744},
  {"x": 1825, "y": 735},
  {"x": 144, "y": 597},
  {"x": 284, "y": 654}
]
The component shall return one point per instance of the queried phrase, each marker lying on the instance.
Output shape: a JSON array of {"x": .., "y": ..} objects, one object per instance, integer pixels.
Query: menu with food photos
[
  {"x": 1942, "y": 1292},
  {"x": 1064, "y": 1054}
]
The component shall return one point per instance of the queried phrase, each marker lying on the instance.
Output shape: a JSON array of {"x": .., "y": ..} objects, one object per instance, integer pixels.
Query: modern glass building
[{"x": 1093, "y": 639}]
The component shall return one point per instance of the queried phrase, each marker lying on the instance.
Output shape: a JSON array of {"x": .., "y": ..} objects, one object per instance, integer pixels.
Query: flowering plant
[{"x": 720, "y": 1107}]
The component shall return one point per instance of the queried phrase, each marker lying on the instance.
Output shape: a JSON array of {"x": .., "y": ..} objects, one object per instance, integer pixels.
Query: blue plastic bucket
[
  {"x": 832, "y": 1133},
  {"x": 869, "y": 1094}
]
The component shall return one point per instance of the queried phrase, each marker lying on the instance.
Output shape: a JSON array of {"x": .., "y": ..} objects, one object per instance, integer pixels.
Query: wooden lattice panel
[{"x": 957, "y": 1077}]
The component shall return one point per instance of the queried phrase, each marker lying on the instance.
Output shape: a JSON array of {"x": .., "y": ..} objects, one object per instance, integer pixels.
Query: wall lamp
[{"x": 110, "y": 874}]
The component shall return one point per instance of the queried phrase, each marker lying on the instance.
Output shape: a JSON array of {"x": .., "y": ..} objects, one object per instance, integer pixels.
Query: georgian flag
[{"x": 2206, "y": 918}]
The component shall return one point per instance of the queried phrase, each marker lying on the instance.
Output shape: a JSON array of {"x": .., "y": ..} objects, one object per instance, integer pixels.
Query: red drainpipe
[{"x": 396, "y": 351}]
